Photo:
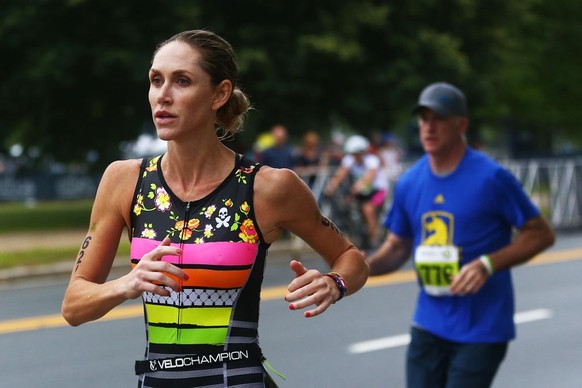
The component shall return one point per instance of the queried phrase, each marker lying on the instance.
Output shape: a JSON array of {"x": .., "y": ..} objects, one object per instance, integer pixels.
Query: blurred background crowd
[{"x": 75, "y": 81}]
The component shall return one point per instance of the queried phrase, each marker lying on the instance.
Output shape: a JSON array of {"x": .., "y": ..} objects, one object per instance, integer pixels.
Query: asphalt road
[{"x": 360, "y": 342}]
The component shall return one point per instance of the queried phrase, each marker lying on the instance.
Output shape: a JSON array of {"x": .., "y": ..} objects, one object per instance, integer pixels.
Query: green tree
[
  {"x": 75, "y": 72},
  {"x": 538, "y": 86}
]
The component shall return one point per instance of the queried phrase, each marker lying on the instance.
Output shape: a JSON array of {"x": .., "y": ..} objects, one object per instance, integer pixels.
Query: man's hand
[{"x": 470, "y": 278}]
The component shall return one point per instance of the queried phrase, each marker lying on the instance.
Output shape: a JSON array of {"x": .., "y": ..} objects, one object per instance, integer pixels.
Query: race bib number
[{"x": 436, "y": 266}]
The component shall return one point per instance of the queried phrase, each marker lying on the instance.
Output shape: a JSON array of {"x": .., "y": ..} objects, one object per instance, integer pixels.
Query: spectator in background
[
  {"x": 335, "y": 148},
  {"x": 310, "y": 158},
  {"x": 390, "y": 155},
  {"x": 280, "y": 155}
]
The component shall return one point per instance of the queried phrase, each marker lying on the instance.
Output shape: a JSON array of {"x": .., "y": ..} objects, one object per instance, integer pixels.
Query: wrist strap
[
  {"x": 486, "y": 260},
  {"x": 339, "y": 282}
]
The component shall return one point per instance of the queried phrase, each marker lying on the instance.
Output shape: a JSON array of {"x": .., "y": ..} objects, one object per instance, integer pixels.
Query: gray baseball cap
[{"x": 444, "y": 99}]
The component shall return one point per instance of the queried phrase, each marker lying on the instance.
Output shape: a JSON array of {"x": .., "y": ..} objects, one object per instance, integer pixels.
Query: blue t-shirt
[{"x": 476, "y": 208}]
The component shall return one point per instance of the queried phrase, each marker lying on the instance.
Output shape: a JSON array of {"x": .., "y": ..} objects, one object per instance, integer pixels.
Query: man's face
[{"x": 439, "y": 134}]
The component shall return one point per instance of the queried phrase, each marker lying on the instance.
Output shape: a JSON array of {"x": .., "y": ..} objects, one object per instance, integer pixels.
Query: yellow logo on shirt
[
  {"x": 439, "y": 199},
  {"x": 437, "y": 228}
]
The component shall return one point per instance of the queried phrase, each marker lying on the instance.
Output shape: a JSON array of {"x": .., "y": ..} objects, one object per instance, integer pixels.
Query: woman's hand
[
  {"x": 310, "y": 287},
  {"x": 152, "y": 274}
]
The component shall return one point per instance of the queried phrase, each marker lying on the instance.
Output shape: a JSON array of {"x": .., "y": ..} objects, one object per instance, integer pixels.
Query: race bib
[{"x": 436, "y": 266}]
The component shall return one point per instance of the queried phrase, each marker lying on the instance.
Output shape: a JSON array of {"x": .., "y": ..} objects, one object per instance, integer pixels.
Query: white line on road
[
  {"x": 403, "y": 339},
  {"x": 532, "y": 315},
  {"x": 380, "y": 343}
]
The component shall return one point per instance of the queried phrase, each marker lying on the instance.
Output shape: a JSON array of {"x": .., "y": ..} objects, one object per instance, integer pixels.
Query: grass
[
  {"x": 47, "y": 256},
  {"x": 36, "y": 256},
  {"x": 45, "y": 217}
]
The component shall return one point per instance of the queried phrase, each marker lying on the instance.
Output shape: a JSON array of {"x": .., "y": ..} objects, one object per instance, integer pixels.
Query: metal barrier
[
  {"x": 46, "y": 187},
  {"x": 555, "y": 186}
]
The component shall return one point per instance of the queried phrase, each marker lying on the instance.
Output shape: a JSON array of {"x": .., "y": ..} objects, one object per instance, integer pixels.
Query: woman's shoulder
[
  {"x": 116, "y": 188},
  {"x": 279, "y": 184},
  {"x": 276, "y": 177},
  {"x": 121, "y": 173},
  {"x": 281, "y": 200},
  {"x": 119, "y": 168}
]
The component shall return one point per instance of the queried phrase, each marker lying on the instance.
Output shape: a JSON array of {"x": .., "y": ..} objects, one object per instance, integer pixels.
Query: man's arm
[
  {"x": 535, "y": 236},
  {"x": 390, "y": 256}
]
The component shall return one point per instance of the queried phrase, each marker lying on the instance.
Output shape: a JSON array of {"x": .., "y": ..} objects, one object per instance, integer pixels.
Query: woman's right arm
[{"x": 89, "y": 295}]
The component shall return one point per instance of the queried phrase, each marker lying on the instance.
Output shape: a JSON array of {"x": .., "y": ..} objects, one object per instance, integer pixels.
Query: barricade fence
[
  {"x": 48, "y": 187},
  {"x": 555, "y": 186}
]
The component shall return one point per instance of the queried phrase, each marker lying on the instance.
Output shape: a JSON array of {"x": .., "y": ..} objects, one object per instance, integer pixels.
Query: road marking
[
  {"x": 404, "y": 339},
  {"x": 549, "y": 257},
  {"x": 395, "y": 341},
  {"x": 532, "y": 316},
  {"x": 134, "y": 311}
]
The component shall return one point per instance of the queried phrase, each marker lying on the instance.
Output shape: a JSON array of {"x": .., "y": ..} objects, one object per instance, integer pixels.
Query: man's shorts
[{"x": 433, "y": 362}]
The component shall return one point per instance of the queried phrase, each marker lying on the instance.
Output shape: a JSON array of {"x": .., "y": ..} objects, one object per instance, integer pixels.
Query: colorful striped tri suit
[{"x": 215, "y": 316}]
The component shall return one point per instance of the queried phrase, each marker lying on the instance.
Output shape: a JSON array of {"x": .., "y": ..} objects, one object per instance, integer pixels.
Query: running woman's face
[
  {"x": 440, "y": 134},
  {"x": 182, "y": 97}
]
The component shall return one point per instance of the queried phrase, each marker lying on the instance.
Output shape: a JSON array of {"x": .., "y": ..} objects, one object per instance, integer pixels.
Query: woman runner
[{"x": 201, "y": 219}]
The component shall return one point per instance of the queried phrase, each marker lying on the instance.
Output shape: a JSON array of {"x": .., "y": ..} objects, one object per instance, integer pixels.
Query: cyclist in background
[{"x": 369, "y": 185}]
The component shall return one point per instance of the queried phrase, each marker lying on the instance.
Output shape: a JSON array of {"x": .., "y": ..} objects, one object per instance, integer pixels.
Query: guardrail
[
  {"x": 554, "y": 185},
  {"x": 47, "y": 187}
]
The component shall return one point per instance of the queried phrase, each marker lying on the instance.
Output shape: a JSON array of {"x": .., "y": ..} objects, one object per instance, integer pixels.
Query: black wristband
[{"x": 339, "y": 282}]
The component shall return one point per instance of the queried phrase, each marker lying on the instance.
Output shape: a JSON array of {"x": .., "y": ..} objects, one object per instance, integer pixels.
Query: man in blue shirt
[{"x": 454, "y": 212}]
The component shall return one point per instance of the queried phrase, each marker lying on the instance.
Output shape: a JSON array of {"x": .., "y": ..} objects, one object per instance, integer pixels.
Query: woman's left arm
[{"x": 284, "y": 201}]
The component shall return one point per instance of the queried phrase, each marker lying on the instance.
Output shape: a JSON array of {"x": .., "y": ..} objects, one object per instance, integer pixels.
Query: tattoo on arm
[
  {"x": 82, "y": 252},
  {"x": 328, "y": 223}
]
